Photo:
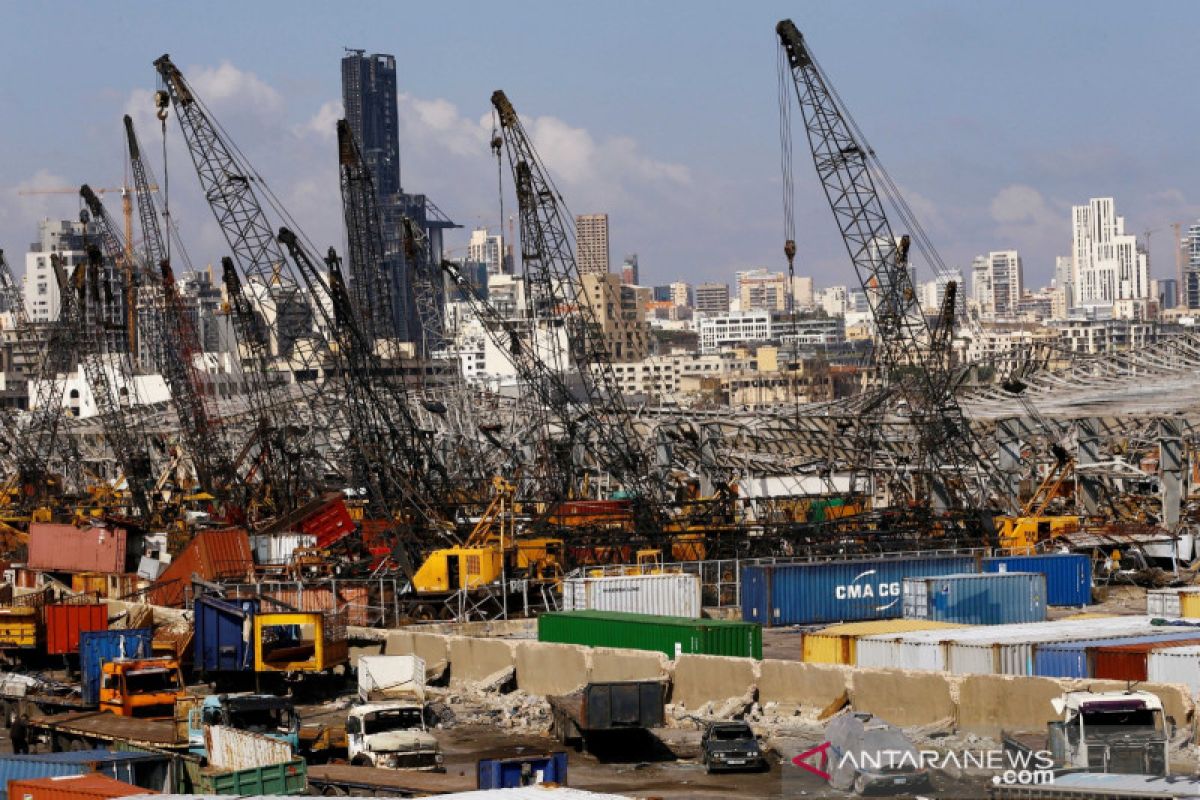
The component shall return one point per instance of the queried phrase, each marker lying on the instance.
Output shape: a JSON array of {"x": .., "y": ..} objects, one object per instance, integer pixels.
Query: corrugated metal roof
[
  {"x": 1171, "y": 786},
  {"x": 874, "y": 627}
]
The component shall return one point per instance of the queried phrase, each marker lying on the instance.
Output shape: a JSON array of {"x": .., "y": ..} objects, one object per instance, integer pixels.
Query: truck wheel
[
  {"x": 78, "y": 745},
  {"x": 334, "y": 791}
]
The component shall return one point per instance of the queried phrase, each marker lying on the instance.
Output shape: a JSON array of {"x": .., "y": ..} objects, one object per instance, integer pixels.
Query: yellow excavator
[{"x": 1022, "y": 534}]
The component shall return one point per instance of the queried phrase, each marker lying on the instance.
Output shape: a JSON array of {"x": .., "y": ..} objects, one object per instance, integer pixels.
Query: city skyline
[{"x": 650, "y": 171}]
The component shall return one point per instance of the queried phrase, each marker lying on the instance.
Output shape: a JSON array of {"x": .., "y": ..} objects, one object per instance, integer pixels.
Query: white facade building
[
  {"x": 997, "y": 281},
  {"x": 732, "y": 329},
  {"x": 1106, "y": 263},
  {"x": 484, "y": 248}
]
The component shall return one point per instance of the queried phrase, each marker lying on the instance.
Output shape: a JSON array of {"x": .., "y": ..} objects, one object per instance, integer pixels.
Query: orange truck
[{"x": 146, "y": 688}]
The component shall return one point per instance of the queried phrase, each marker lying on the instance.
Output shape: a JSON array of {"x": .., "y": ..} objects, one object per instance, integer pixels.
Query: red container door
[{"x": 64, "y": 623}]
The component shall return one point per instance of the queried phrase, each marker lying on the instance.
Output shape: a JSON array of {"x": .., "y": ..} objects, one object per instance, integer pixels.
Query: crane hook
[{"x": 162, "y": 102}]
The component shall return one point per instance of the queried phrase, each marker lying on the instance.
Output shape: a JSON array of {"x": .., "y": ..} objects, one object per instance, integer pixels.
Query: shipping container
[
  {"x": 973, "y": 599},
  {"x": 277, "y": 548},
  {"x": 988, "y": 649},
  {"x": 1074, "y": 659},
  {"x": 1129, "y": 662},
  {"x": 1175, "y": 665},
  {"x": 224, "y": 635},
  {"x": 1189, "y": 605},
  {"x": 229, "y": 749},
  {"x": 219, "y": 555},
  {"x": 149, "y": 771},
  {"x": 18, "y": 627},
  {"x": 65, "y": 548},
  {"x": 670, "y": 635},
  {"x": 1164, "y": 603},
  {"x": 99, "y": 647},
  {"x": 1068, "y": 575},
  {"x": 89, "y": 583},
  {"x": 327, "y": 519},
  {"x": 91, "y": 786},
  {"x": 290, "y": 778},
  {"x": 64, "y": 623},
  {"x": 508, "y": 773},
  {"x": 299, "y": 642},
  {"x": 668, "y": 595},
  {"x": 808, "y": 592},
  {"x": 837, "y": 644}
]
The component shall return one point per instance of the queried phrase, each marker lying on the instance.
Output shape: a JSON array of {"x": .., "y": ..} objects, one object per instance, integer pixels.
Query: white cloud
[
  {"x": 322, "y": 124},
  {"x": 1018, "y": 204},
  {"x": 227, "y": 87}
]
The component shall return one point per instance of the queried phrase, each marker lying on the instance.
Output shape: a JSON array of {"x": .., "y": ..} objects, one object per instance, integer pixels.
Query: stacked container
[
  {"x": 91, "y": 786},
  {"x": 1068, "y": 575},
  {"x": 149, "y": 771},
  {"x": 66, "y": 621},
  {"x": 673, "y": 636},
  {"x": 809, "y": 592},
  {"x": 668, "y": 595},
  {"x": 837, "y": 644},
  {"x": 1074, "y": 659},
  {"x": 988, "y": 599},
  {"x": 1165, "y": 603},
  {"x": 1129, "y": 662}
]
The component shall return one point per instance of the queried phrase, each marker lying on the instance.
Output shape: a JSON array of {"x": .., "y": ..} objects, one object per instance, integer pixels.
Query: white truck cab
[{"x": 389, "y": 728}]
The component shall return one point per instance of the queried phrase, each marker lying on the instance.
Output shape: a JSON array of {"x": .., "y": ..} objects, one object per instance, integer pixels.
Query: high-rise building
[
  {"x": 681, "y": 294},
  {"x": 591, "y": 244},
  {"x": 1166, "y": 292},
  {"x": 629, "y": 270},
  {"x": 997, "y": 282},
  {"x": 621, "y": 320},
  {"x": 712, "y": 298},
  {"x": 1062, "y": 278},
  {"x": 484, "y": 248},
  {"x": 760, "y": 289},
  {"x": 369, "y": 97},
  {"x": 802, "y": 292},
  {"x": 1107, "y": 264},
  {"x": 1191, "y": 267}
]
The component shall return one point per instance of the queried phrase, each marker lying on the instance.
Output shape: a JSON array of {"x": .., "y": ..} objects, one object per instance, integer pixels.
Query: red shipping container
[
  {"x": 330, "y": 523},
  {"x": 65, "y": 622},
  {"x": 222, "y": 555},
  {"x": 1127, "y": 662},
  {"x": 65, "y": 548},
  {"x": 89, "y": 786}
]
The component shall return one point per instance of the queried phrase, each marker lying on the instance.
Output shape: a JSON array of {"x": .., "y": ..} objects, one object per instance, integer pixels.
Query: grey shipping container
[
  {"x": 1000, "y": 598},
  {"x": 147, "y": 770},
  {"x": 808, "y": 592}
]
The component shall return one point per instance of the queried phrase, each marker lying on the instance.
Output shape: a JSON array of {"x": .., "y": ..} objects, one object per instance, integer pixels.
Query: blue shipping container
[
  {"x": 1068, "y": 575},
  {"x": 1071, "y": 659},
  {"x": 224, "y": 628},
  {"x": 807, "y": 592},
  {"x": 507, "y": 773},
  {"x": 147, "y": 770},
  {"x": 996, "y": 599},
  {"x": 98, "y": 647}
]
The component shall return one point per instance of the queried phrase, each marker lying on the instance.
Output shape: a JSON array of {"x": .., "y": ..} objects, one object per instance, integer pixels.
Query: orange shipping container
[
  {"x": 1128, "y": 662},
  {"x": 222, "y": 555},
  {"x": 65, "y": 622},
  {"x": 89, "y": 786},
  {"x": 65, "y": 548}
]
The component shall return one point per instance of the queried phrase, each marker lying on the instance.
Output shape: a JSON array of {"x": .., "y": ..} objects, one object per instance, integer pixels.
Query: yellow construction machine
[{"x": 1022, "y": 534}]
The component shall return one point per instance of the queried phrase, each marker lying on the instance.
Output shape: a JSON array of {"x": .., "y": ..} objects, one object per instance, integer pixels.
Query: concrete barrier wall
[{"x": 981, "y": 704}]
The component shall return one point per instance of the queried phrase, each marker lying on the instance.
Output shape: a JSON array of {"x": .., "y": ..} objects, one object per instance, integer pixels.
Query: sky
[{"x": 994, "y": 117}]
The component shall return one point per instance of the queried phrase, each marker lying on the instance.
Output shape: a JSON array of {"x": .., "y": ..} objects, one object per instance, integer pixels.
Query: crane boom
[{"x": 955, "y": 470}]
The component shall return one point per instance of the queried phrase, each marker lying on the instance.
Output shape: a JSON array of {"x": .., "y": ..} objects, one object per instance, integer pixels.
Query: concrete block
[
  {"x": 547, "y": 669},
  {"x": 429, "y": 646},
  {"x": 902, "y": 697},
  {"x": 476, "y": 659},
  {"x": 989, "y": 703},
  {"x": 357, "y": 651},
  {"x": 613, "y": 664},
  {"x": 399, "y": 643},
  {"x": 702, "y": 679},
  {"x": 794, "y": 683}
]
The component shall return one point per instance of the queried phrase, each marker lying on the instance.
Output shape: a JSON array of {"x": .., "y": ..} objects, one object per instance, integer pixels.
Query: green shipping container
[{"x": 670, "y": 635}]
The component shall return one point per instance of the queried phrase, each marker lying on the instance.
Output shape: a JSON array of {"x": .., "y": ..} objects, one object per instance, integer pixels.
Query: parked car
[
  {"x": 870, "y": 756},
  {"x": 731, "y": 746}
]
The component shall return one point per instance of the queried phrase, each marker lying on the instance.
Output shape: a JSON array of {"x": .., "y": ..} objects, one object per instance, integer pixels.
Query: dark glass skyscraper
[{"x": 369, "y": 96}]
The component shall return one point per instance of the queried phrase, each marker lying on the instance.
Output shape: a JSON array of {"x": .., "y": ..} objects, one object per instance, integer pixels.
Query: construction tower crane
[
  {"x": 199, "y": 423},
  {"x": 953, "y": 471},
  {"x": 600, "y": 421}
]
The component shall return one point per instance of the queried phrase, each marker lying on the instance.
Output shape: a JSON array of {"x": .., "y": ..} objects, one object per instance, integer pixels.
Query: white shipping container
[
  {"x": 232, "y": 749},
  {"x": 675, "y": 594},
  {"x": 277, "y": 548},
  {"x": 1164, "y": 603},
  {"x": 1175, "y": 665},
  {"x": 985, "y": 649}
]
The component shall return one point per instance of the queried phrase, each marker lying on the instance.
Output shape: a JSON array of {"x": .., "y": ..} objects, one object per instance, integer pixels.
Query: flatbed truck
[{"x": 340, "y": 780}]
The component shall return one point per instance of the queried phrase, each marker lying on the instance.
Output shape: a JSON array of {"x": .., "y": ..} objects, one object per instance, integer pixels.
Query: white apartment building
[
  {"x": 591, "y": 244},
  {"x": 484, "y": 248},
  {"x": 661, "y": 377},
  {"x": 1106, "y": 263},
  {"x": 64, "y": 237},
  {"x": 735, "y": 328},
  {"x": 681, "y": 294},
  {"x": 759, "y": 289},
  {"x": 997, "y": 283}
]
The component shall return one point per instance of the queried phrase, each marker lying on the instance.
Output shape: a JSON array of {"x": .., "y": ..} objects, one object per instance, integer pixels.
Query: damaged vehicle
[{"x": 867, "y": 755}]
